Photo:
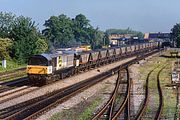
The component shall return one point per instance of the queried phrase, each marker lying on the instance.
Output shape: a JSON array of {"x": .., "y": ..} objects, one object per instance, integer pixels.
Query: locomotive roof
[{"x": 49, "y": 56}]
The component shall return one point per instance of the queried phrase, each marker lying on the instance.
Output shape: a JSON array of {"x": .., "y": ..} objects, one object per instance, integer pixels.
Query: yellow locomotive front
[
  {"x": 46, "y": 68},
  {"x": 39, "y": 69},
  {"x": 39, "y": 64}
]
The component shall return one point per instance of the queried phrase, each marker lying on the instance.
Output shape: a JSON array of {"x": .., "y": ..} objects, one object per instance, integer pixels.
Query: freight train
[{"x": 48, "y": 67}]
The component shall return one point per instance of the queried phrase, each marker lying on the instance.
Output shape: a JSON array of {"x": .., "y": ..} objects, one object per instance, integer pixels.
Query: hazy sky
[{"x": 142, "y": 15}]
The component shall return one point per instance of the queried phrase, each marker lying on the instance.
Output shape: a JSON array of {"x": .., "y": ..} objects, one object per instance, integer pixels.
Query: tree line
[
  {"x": 20, "y": 37},
  {"x": 134, "y": 33}
]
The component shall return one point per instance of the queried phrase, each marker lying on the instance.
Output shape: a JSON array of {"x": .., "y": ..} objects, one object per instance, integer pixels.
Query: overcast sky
[{"x": 141, "y": 15}]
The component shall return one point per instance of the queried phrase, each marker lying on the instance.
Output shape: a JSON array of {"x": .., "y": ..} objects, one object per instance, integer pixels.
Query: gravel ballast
[{"x": 62, "y": 83}]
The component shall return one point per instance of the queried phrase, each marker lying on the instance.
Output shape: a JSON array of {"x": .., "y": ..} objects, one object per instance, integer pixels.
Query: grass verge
[{"x": 11, "y": 65}]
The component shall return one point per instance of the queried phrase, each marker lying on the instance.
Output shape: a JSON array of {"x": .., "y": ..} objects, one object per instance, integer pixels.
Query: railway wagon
[
  {"x": 123, "y": 50},
  {"x": 94, "y": 55},
  {"x": 48, "y": 67},
  {"x": 103, "y": 53},
  {"x": 118, "y": 51},
  {"x": 133, "y": 48},
  {"x": 84, "y": 57},
  {"x": 111, "y": 52},
  {"x": 128, "y": 49}
]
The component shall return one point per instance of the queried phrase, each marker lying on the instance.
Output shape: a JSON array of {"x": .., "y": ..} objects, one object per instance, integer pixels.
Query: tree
[
  {"x": 125, "y": 31},
  {"x": 26, "y": 39},
  {"x": 106, "y": 40},
  {"x": 95, "y": 37},
  {"x": 6, "y": 20},
  {"x": 80, "y": 28},
  {"x": 42, "y": 46},
  {"x": 59, "y": 30},
  {"x": 176, "y": 33},
  {"x": 62, "y": 31},
  {"x": 5, "y": 48},
  {"x": 178, "y": 41},
  {"x": 176, "y": 30}
]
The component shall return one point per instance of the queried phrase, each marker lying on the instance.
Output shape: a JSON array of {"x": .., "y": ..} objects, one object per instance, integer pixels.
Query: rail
[{"x": 36, "y": 106}]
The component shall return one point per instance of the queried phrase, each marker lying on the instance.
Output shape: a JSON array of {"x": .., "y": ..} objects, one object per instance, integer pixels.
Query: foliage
[
  {"x": 176, "y": 30},
  {"x": 125, "y": 31},
  {"x": 106, "y": 39},
  {"x": 11, "y": 65},
  {"x": 95, "y": 38},
  {"x": 177, "y": 38},
  {"x": 59, "y": 30},
  {"x": 176, "y": 34},
  {"x": 87, "y": 113},
  {"x": 6, "y": 20},
  {"x": 26, "y": 39},
  {"x": 41, "y": 45},
  {"x": 5, "y": 48},
  {"x": 80, "y": 27},
  {"x": 65, "y": 32}
]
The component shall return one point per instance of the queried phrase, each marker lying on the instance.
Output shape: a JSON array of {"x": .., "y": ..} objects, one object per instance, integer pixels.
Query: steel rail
[
  {"x": 114, "y": 96},
  {"x": 24, "y": 104},
  {"x": 146, "y": 100},
  {"x": 34, "y": 108},
  {"x": 161, "y": 103},
  {"x": 15, "y": 70},
  {"x": 126, "y": 98},
  {"x": 15, "y": 82},
  {"x": 59, "y": 97}
]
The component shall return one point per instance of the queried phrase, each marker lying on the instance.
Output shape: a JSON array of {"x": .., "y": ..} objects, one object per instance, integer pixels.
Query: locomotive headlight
[{"x": 49, "y": 69}]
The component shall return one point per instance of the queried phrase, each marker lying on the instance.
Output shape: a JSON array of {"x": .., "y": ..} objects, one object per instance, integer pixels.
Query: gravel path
[
  {"x": 137, "y": 90},
  {"x": 62, "y": 83}
]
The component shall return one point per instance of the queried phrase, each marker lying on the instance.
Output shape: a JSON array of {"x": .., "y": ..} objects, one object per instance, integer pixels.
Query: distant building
[
  {"x": 157, "y": 36},
  {"x": 119, "y": 39}
]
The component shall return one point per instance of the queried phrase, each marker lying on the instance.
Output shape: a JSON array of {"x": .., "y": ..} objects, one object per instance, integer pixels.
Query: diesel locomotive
[{"x": 48, "y": 67}]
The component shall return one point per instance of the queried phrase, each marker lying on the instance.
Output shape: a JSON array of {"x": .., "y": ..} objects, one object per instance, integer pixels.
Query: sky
[{"x": 140, "y": 15}]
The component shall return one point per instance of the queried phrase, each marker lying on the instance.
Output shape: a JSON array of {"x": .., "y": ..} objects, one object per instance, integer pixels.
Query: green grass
[
  {"x": 14, "y": 78},
  {"x": 87, "y": 114},
  {"x": 58, "y": 116},
  {"x": 11, "y": 65},
  {"x": 169, "y": 97},
  {"x": 165, "y": 78}
]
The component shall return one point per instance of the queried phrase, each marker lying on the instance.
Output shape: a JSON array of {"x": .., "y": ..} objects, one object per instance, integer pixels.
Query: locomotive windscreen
[{"x": 38, "y": 60}]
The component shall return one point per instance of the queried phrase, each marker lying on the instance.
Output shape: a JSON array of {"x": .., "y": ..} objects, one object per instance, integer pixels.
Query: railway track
[
  {"x": 13, "y": 91},
  {"x": 6, "y": 86},
  {"x": 110, "y": 105},
  {"x": 4, "y": 89},
  {"x": 17, "y": 92},
  {"x": 16, "y": 82},
  {"x": 35, "y": 105},
  {"x": 8, "y": 75},
  {"x": 146, "y": 100},
  {"x": 9, "y": 72},
  {"x": 160, "y": 108},
  {"x": 32, "y": 108}
]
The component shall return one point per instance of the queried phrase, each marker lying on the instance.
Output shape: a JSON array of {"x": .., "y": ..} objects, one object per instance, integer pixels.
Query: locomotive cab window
[{"x": 37, "y": 60}]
